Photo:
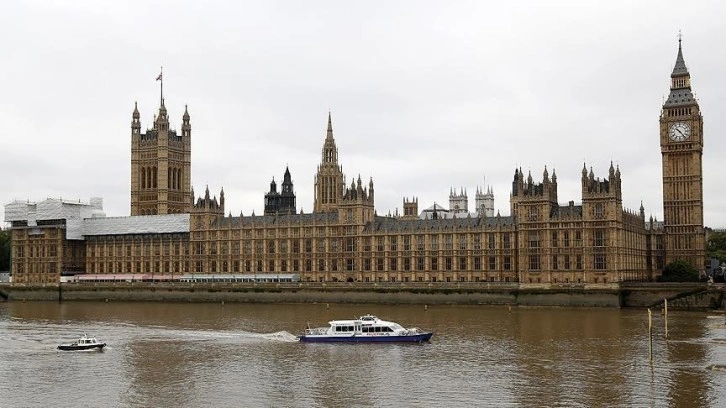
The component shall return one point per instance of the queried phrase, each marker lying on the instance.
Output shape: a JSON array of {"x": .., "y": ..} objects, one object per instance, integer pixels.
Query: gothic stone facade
[
  {"x": 343, "y": 239},
  {"x": 681, "y": 143},
  {"x": 160, "y": 166}
]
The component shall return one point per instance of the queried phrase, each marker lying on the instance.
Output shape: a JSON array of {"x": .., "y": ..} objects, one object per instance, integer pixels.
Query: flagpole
[{"x": 161, "y": 78}]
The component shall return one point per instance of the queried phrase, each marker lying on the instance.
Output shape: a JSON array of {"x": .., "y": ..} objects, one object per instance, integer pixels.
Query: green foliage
[
  {"x": 716, "y": 246},
  {"x": 4, "y": 250},
  {"x": 679, "y": 271}
]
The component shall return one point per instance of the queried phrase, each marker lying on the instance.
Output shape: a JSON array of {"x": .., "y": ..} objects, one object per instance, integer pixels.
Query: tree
[
  {"x": 716, "y": 246},
  {"x": 4, "y": 250},
  {"x": 679, "y": 271}
]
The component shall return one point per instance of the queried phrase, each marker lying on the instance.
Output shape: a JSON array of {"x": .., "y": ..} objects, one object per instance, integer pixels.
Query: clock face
[{"x": 680, "y": 131}]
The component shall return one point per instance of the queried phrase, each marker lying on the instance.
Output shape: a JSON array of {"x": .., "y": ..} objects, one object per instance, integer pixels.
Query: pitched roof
[{"x": 140, "y": 224}]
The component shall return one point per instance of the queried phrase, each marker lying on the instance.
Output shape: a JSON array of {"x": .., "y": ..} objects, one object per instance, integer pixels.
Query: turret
[
  {"x": 484, "y": 201},
  {"x": 610, "y": 186},
  {"x": 287, "y": 181},
  {"x": 208, "y": 209},
  {"x": 283, "y": 202},
  {"x": 533, "y": 200},
  {"x": 272, "y": 199},
  {"x": 135, "y": 121},
  {"x": 410, "y": 208},
  {"x": 186, "y": 125},
  {"x": 161, "y": 122},
  {"x": 357, "y": 202},
  {"x": 458, "y": 202}
]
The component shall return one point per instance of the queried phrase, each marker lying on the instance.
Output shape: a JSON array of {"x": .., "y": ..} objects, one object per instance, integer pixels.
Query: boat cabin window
[
  {"x": 377, "y": 329},
  {"x": 344, "y": 328}
]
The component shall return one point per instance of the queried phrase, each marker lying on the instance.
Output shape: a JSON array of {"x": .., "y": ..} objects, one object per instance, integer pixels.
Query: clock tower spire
[{"x": 681, "y": 145}]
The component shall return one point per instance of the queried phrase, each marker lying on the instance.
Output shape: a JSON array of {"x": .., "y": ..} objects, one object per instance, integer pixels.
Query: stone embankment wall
[
  {"x": 293, "y": 293},
  {"x": 704, "y": 300},
  {"x": 680, "y": 297}
]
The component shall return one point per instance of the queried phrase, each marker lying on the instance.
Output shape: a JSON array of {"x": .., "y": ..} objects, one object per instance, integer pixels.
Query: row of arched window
[
  {"x": 149, "y": 178},
  {"x": 175, "y": 179}
]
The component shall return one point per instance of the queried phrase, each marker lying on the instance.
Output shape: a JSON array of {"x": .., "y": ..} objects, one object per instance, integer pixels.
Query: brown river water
[{"x": 247, "y": 355}]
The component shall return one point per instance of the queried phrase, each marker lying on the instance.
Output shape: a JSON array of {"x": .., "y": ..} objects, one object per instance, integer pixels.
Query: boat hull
[
  {"x": 413, "y": 338},
  {"x": 75, "y": 347}
]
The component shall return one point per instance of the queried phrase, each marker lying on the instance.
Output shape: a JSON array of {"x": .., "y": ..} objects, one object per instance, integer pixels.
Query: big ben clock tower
[{"x": 681, "y": 144}]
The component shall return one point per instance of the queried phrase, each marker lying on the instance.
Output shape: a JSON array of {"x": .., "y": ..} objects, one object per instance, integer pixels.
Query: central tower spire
[
  {"x": 330, "y": 151},
  {"x": 329, "y": 181}
]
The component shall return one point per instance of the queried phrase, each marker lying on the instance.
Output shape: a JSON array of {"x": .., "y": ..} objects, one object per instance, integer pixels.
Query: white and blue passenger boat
[{"x": 365, "y": 329}]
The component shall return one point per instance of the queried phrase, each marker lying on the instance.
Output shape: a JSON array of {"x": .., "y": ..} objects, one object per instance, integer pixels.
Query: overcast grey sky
[{"x": 424, "y": 95}]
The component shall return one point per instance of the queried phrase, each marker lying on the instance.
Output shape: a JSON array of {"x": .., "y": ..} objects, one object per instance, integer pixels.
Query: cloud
[{"x": 425, "y": 96}]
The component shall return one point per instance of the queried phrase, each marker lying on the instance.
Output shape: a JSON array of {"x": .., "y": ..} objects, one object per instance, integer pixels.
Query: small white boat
[
  {"x": 365, "y": 329},
  {"x": 83, "y": 343}
]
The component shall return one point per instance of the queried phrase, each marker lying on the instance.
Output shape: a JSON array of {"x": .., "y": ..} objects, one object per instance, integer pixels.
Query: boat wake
[
  {"x": 282, "y": 336},
  {"x": 121, "y": 334},
  {"x": 223, "y": 336}
]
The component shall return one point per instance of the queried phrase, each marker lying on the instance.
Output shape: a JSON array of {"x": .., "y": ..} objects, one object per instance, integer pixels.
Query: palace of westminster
[{"x": 171, "y": 232}]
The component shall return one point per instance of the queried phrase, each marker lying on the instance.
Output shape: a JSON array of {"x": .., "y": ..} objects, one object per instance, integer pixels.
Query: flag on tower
[{"x": 158, "y": 78}]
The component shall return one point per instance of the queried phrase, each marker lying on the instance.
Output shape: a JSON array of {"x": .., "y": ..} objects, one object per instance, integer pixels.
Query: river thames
[{"x": 246, "y": 355}]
